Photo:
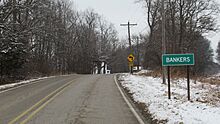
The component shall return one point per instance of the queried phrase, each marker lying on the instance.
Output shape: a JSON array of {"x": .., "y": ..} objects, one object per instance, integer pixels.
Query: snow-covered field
[{"x": 203, "y": 108}]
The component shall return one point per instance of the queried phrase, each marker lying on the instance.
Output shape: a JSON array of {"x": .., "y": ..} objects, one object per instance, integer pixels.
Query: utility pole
[
  {"x": 129, "y": 40},
  {"x": 129, "y": 34},
  {"x": 163, "y": 39},
  {"x": 138, "y": 55}
]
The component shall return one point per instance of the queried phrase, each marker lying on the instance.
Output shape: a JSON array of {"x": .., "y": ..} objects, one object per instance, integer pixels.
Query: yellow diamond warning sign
[{"x": 130, "y": 58}]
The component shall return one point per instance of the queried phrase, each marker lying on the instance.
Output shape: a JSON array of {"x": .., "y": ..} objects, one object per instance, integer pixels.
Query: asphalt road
[{"x": 74, "y": 99}]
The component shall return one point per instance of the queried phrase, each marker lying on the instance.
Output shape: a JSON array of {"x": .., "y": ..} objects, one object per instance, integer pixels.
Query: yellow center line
[
  {"x": 55, "y": 93},
  {"x": 42, "y": 106}
]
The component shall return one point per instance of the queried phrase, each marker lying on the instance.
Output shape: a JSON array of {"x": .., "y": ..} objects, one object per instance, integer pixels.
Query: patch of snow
[
  {"x": 217, "y": 75},
  {"x": 15, "y": 43},
  {"x": 3, "y": 51},
  {"x": 6, "y": 50},
  {"x": 143, "y": 71},
  {"x": 7, "y": 86},
  {"x": 204, "y": 107}
]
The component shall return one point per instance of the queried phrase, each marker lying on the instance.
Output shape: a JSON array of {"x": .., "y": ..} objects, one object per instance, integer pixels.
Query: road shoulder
[{"x": 138, "y": 109}]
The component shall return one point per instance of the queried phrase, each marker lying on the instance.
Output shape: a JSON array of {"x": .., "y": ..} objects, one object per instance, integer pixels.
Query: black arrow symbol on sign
[{"x": 131, "y": 57}]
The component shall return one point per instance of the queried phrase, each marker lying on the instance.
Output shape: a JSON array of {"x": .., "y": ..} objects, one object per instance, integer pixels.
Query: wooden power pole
[
  {"x": 163, "y": 40},
  {"x": 129, "y": 40},
  {"x": 129, "y": 33},
  {"x": 138, "y": 55}
]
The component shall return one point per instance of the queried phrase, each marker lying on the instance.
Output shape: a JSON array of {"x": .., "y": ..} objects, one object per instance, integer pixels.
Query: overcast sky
[
  {"x": 122, "y": 11},
  {"x": 117, "y": 12}
]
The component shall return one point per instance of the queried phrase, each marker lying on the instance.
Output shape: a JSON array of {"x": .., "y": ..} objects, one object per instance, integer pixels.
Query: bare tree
[
  {"x": 186, "y": 22},
  {"x": 45, "y": 37},
  {"x": 218, "y": 52}
]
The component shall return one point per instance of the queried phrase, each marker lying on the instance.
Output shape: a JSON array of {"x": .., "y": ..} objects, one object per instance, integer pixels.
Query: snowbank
[
  {"x": 204, "y": 107},
  {"x": 217, "y": 75},
  {"x": 7, "y": 86}
]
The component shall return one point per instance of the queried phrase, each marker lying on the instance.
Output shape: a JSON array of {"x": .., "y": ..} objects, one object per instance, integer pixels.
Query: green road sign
[{"x": 177, "y": 59}]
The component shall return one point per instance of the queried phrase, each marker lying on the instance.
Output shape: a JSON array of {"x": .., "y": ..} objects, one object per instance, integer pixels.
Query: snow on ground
[
  {"x": 7, "y": 86},
  {"x": 203, "y": 108},
  {"x": 217, "y": 75}
]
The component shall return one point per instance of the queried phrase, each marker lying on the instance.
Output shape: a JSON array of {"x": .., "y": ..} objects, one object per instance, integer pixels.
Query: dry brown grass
[
  {"x": 176, "y": 74},
  {"x": 212, "y": 80}
]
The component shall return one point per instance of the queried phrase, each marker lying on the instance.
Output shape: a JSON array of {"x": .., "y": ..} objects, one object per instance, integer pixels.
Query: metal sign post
[
  {"x": 178, "y": 60},
  {"x": 131, "y": 62},
  {"x": 188, "y": 83},
  {"x": 168, "y": 78}
]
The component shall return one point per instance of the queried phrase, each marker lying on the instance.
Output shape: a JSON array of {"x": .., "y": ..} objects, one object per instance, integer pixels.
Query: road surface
[{"x": 74, "y": 99}]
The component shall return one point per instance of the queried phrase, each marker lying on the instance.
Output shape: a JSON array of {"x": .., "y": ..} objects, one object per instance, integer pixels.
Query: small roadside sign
[
  {"x": 130, "y": 58},
  {"x": 178, "y": 59}
]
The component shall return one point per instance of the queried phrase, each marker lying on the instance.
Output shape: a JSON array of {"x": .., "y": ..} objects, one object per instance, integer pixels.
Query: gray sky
[
  {"x": 122, "y": 11},
  {"x": 117, "y": 12}
]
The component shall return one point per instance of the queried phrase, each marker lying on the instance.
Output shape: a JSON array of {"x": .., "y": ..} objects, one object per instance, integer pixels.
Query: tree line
[
  {"x": 47, "y": 37},
  {"x": 186, "y": 22}
]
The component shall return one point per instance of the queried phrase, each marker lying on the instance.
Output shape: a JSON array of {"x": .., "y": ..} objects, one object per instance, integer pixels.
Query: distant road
[{"x": 74, "y": 99}]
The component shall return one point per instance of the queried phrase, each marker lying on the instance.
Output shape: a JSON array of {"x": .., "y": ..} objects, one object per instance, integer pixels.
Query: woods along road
[{"x": 72, "y": 99}]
